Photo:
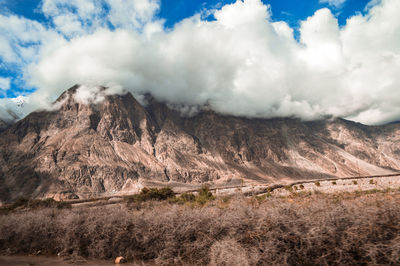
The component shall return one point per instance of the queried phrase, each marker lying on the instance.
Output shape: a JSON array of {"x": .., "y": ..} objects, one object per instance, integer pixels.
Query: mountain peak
[{"x": 83, "y": 94}]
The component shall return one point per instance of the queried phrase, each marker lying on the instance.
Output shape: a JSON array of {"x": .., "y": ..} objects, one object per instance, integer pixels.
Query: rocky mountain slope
[
  {"x": 113, "y": 145},
  {"x": 3, "y": 125}
]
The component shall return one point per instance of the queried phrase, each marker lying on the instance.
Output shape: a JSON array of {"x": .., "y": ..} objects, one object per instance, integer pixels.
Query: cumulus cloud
[
  {"x": 241, "y": 63},
  {"x": 21, "y": 39},
  {"x": 132, "y": 14}
]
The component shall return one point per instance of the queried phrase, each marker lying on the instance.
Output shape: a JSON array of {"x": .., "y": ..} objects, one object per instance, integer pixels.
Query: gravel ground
[
  {"x": 328, "y": 186},
  {"x": 348, "y": 185}
]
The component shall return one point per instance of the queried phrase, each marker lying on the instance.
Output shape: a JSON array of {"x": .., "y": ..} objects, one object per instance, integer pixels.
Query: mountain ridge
[{"x": 114, "y": 144}]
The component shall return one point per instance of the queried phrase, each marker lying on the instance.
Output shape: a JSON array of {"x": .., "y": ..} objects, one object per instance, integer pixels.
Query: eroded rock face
[{"x": 85, "y": 148}]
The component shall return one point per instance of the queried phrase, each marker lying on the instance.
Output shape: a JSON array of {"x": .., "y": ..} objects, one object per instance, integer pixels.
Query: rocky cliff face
[{"x": 82, "y": 148}]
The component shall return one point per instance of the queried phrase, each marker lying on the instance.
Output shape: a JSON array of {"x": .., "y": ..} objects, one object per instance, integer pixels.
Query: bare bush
[
  {"x": 228, "y": 252},
  {"x": 26, "y": 203},
  {"x": 345, "y": 229}
]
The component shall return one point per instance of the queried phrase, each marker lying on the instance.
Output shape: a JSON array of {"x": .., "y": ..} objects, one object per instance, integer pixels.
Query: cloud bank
[{"x": 242, "y": 63}]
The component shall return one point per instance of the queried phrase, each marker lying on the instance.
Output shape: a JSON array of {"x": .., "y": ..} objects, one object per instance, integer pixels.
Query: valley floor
[{"x": 330, "y": 185}]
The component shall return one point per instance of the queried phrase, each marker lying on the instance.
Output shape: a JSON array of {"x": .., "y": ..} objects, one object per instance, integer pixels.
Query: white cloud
[
  {"x": 21, "y": 38},
  {"x": 22, "y": 42},
  {"x": 242, "y": 63},
  {"x": 334, "y": 3},
  {"x": 75, "y": 18},
  {"x": 4, "y": 85},
  {"x": 131, "y": 14},
  {"x": 89, "y": 94},
  {"x": 371, "y": 4}
]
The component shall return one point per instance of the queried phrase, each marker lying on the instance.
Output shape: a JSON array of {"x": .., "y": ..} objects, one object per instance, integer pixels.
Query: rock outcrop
[{"x": 114, "y": 144}]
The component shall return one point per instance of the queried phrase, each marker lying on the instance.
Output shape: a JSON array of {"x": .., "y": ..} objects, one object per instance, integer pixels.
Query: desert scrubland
[{"x": 156, "y": 227}]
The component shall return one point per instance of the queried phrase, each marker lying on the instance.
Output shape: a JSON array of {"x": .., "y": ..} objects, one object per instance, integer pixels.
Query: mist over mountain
[{"x": 112, "y": 143}]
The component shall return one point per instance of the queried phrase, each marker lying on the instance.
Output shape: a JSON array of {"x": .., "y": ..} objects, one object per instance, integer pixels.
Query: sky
[{"x": 308, "y": 59}]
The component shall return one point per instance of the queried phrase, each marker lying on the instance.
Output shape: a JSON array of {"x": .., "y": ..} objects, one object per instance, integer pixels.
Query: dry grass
[
  {"x": 303, "y": 229},
  {"x": 32, "y": 204}
]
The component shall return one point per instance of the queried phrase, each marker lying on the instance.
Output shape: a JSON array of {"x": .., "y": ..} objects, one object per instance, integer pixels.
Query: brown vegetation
[
  {"x": 151, "y": 194},
  {"x": 202, "y": 196},
  {"x": 25, "y": 203},
  {"x": 339, "y": 229}
]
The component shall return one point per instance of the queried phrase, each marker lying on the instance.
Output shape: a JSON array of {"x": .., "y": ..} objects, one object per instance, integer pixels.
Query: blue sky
[
  {"x": 253, "y": 58},
  {"x": 291, "y": 11},
  {"x": 173, "y": 11}
]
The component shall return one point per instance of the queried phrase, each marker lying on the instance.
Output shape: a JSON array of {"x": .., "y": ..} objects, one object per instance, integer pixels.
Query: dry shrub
[
  {"x": 228, "y": 252},
  {"x": 204, "y": 195},
  {"x": 26, "y": 203},
  {"x": 139, "y": 201},
  {"x": 151, "y": 194},
  {"x": 311, "y": 230},
  {"x": 188, "y": 197}
]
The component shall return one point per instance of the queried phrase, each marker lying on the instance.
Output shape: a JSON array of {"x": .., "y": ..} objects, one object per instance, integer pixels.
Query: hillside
[{"x": 118, "y": 144}]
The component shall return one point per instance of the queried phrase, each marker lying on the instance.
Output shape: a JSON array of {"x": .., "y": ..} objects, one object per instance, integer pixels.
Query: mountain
[
  {"x": 118, "y": 144},
  {"x": 3, "y": 125},
  {"x": 20, "y": 101}
]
